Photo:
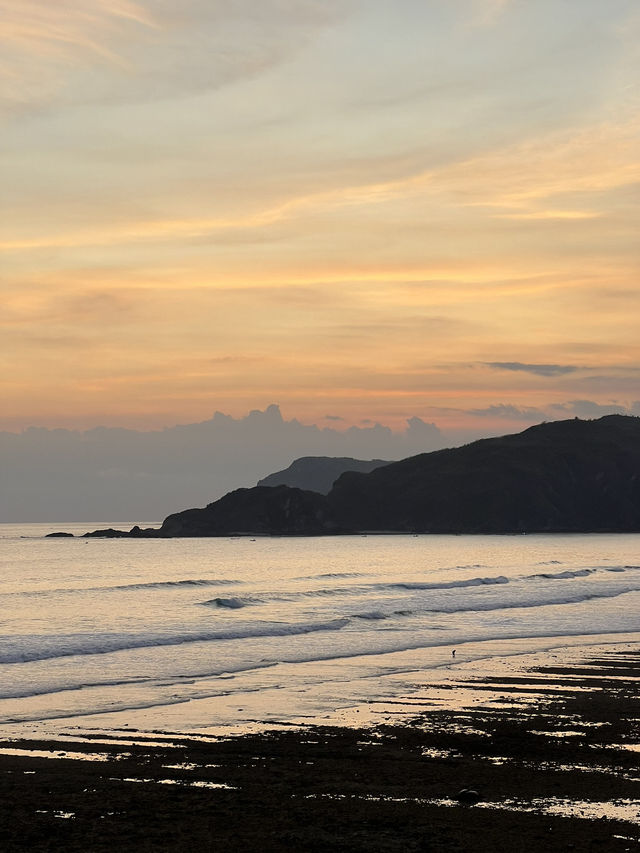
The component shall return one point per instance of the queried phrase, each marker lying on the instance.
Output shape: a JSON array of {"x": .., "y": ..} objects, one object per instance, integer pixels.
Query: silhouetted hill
[
  {"x": 566, "y": 476},
  {"x": 563, "y": 476},
  {"x": 319, "y": 473}
]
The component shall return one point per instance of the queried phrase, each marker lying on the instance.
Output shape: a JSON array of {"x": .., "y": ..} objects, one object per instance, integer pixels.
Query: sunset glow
[{"x": 357, "y": 208}]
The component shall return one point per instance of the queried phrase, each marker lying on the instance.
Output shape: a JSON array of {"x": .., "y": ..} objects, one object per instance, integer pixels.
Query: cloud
[
  {"x": 420, "y": 430},
  {"x": 508, "y": 412},
  {"x": 65, "y": 29},
  {"x": 147, "y": 49},
  {"x": 551, "y": 214},
  {"x": 563, "y": 165},
  {"x": 556, "y": 411},
  {"x": 537, "y": 369},
  {"x": 591, "y": 409},
  {"x": 109, "y": 474},
  {"x": 42, "y": 41}
]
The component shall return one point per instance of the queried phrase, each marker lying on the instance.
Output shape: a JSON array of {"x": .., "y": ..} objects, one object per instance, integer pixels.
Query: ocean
[{"x": 186, "y": 634}]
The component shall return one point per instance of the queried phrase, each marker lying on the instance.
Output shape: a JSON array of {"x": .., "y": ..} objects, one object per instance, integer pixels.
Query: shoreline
[
  {"x": 345, "y": 691},
  {"x": 549, "y": 742},
  {"x": 136, "y": 532}
]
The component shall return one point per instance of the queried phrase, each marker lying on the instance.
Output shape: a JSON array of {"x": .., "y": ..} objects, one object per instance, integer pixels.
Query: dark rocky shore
[{"x": 548, "y": 766}]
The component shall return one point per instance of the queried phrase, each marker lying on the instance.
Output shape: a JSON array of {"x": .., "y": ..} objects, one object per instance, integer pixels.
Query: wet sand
[{"x": 550, "y": 750}]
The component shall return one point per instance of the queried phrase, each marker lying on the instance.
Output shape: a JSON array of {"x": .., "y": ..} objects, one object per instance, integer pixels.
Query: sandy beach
[{"x": 539, "y": 750}]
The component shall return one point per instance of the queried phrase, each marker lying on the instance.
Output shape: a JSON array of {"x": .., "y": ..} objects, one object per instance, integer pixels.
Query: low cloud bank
[
  {"x": 107, "y": 474},
  {"x": 586, "y": 409}
]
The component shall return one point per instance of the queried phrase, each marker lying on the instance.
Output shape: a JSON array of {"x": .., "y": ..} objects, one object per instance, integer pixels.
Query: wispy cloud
[
  {"x": 558, "y": 165},
  {"x": 555, "y": 411},
  {"x": 67, "y": 29},
  {"x": 509, "y": 412},
  {"x": 592, "y": 409},
  {"x": 172, "y": 48},
  {"x": 537, "y": 369},
  {"x": 551, "y": 214},
  {"x": 41, "y": 41},
  {"x": 600, "y": 159}
]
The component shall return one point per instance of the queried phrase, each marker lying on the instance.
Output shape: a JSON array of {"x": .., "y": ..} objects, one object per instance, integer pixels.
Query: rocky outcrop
[
  {"x": 261, "y": 510},
  {"x": 135, "y": 532}
]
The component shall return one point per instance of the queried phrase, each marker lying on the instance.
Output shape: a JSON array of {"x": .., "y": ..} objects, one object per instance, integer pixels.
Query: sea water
[{"x": 194, "y": 630}]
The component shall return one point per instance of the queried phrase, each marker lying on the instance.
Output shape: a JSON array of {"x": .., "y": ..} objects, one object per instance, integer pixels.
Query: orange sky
[{"x": 365, "y": 209}]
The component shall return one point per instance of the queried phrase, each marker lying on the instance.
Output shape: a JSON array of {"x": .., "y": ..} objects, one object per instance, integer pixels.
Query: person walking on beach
[{"x": 453, "y": 653}]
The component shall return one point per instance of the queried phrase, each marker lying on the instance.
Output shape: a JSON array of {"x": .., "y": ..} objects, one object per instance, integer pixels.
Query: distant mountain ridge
[
  {"x": 565, "y": 476},
  {"x": 319, "y": 473}
]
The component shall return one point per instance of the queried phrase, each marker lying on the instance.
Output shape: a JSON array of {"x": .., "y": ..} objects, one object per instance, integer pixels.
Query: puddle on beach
[
  {"x": 58, "y": 753},
  {"x": 565, "y": 733},
  {"x": 189, "y": 766},
  {"x": 62, "y": 815},
  {"x": 439, "y": 754},
  {"x": 103, "y": 739},
  {"x": 500, "y": 760},
  {"x": 108, "y": 741},
  {"x": 619, "y": 809},
  {"x": 180, "y": 782},
  {"x": 464, "y": 730},
  {"x": 582, "y": 768}
]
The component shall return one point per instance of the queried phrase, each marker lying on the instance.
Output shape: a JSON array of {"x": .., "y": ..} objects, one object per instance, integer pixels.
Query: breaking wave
[
  {"x": 150, "y": 585},
  {"x": 173, "y": 584},
  {"x": 330, "y": 575},
  {"x": 500, "y": 579},
  {"x": 100, "y": 644},
  {"x": 57, "y": 646},
  {"x": 578, "y": 573},
  {"x": 458, "y": 584},
  {"x": 232, "y": 603},
  {"x": 488, "y": 606}
]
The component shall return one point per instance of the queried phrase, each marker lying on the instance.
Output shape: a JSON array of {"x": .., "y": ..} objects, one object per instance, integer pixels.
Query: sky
[{"x": 360, "y": 210}]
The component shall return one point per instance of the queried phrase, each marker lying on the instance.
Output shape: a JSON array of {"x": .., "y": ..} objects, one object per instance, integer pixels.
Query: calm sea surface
[{"x": 89, "y": 627}]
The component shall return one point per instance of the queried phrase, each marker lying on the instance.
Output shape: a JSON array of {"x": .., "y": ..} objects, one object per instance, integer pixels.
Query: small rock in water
[{"x": 467, "y": 796}]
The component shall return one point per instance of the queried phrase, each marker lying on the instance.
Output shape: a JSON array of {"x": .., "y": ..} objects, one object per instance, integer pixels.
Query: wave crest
[{"x": 232, "y": 603}]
